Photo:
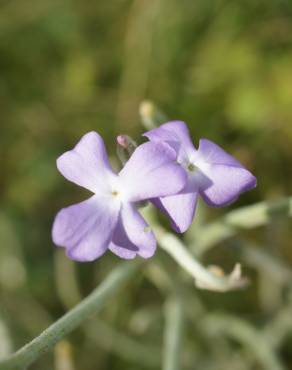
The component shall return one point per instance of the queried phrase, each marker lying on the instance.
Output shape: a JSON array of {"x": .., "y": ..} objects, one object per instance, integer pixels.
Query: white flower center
[
  {"x": 115, "y": 193},
  {"x": 191, "y": 167}
]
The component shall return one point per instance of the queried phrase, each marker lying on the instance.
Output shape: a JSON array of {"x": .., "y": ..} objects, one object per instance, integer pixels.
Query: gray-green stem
[
  {"x": 92, "y": 304},
  {"x": 173, "y": 334},
  {"x": 244, "y": 218}
]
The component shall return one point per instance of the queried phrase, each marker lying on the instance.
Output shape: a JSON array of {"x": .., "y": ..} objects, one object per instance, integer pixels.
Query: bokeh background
[{"x": 68, "y": 67}]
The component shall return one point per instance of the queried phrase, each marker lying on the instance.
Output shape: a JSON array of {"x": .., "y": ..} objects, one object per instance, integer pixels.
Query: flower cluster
[{"x": 167, "y": 170}]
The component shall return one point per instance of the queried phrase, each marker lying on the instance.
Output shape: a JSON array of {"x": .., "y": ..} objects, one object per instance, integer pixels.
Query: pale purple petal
[
  {"x": 173, "y": 132},
  {"x": 226, "y": 176},
  {"x": 152, "y": 172},
  {"x": 85, "y": 229},
  {"x": 122, "y": 252},
  {"x": 87, "y": 164},
  {"x": 211, "y": 153},
  {"x": 179, "y": 208},
  {"x": 132, "y": 236},
  {"x": 228, "y": 183},
  {"x": 121, "y": 245}
]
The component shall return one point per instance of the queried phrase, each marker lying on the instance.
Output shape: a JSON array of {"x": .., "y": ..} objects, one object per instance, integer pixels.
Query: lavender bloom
[
  {"x": 212, "y": 173},
  {"x": 109, "y": 219}
]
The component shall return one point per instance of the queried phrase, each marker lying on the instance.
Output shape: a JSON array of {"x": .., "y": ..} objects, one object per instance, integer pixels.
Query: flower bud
[
  {"x": 150, "y": 115},
  {"x": 125, "y": 147}
]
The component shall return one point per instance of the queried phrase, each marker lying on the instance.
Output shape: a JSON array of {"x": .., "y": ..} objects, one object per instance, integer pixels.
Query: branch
[
  {"x": 248, "y": 217},
  {"x": 173, "y": 334},
  {"x": 212, "y": 279},
  {"x": 90, "y": 305}
]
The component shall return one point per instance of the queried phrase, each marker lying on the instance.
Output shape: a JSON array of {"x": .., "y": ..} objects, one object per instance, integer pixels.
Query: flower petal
[
  {"x": 179, "y": 208},
  {"x": 152, "y": 172},
  {"x": 85, "y": 229},
  {"x": 210, "y": 152},
  {"x": 173, "y": 132},
  {"x": 87, "y": 164},
  {"x": 122, "y": 252},
  {"x": 132, "y": 235},
  {"x": 223, "y": 178},
  {"x": 228, "y": 182}
]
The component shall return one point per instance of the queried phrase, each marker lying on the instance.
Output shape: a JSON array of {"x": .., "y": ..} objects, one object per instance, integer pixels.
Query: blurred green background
[{"x": 68, "y": 67}]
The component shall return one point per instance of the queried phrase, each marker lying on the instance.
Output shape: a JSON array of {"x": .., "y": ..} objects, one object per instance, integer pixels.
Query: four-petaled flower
[
  {"x": 212, "y": 173},
  {"x": 109, "y": 219}
]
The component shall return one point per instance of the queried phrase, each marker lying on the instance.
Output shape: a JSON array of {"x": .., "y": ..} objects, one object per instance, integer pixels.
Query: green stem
[
  {"x": 173, "y": 334},
  {"x": 204, "y": 278},
  {"x": 71, "y": 320},
  {"x": 249, "y": 217}
]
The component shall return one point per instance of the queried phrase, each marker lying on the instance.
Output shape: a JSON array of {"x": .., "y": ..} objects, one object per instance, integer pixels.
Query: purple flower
[
  {"x": 214, "y": 174},
  {"x": 109, "y": 219}
]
